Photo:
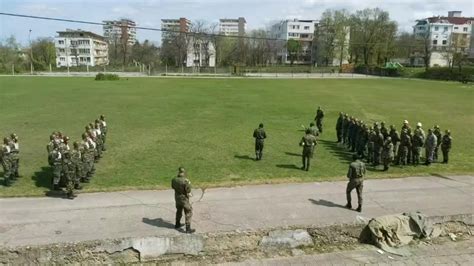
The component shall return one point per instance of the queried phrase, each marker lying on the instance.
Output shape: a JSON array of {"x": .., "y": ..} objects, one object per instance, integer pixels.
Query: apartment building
[
  {"x": 232, "y": 27},
  {"x": 445, "y": 35},
  {"x": 296, "y": 29},
  {"x": 80, "y": 48},
  {"x": 120, "y": 30},
  {"x": 201, "y": 53},
  {"x": 171, "y": 27}
]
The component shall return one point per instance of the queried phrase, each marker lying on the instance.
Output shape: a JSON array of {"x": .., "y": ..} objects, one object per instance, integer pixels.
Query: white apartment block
[
  {"x": 201, "y": 53},
  {"x": 300, "y": 30},
  {"x": 171, "y": 27},
  {"x": 445, "y": 35},
  {"x": 119, "y": 30},
  {"x": 232, "y": 27},
  {"x": 80, "y": 48}
]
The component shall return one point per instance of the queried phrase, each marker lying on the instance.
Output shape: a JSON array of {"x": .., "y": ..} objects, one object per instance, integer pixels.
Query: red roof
[{"x": 452, "y": 20}]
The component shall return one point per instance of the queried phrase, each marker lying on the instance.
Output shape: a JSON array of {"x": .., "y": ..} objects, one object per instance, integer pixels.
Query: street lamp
[{"x": 31, "y": 52}]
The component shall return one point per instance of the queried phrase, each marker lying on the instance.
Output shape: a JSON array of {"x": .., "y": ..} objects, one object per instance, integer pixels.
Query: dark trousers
[
  {"x": 358, "y": 185},
  {"x": 188, "y": 212},
  {"x": 258, "y": 149},
  {"x": 339, "y": 135},
  {"x": 445, "y": 155},
  {"x": 319, "y": 124}
]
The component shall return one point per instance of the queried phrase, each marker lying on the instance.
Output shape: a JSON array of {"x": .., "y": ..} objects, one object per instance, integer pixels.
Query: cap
[{"x": 419, "y": 124}]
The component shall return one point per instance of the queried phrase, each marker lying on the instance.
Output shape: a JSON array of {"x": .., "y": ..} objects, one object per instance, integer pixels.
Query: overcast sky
[{"x": 148, "y": 13}]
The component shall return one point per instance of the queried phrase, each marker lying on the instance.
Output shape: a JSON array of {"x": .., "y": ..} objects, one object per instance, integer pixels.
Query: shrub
[
  {"x": 446, "y": 73},
  {"x": 102, "y": 76}
]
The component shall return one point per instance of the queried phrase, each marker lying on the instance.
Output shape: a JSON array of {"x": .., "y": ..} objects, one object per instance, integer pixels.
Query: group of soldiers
[
  {"x": 76, "y": 165},
  {"x": 381, "y": 145},
  {"x": 9, "y": 156}
]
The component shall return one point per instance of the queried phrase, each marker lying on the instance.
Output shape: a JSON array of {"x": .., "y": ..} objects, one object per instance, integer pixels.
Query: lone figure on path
[
  {"x": 182, "y": 193},
  {"x": 356, "y": 175}
]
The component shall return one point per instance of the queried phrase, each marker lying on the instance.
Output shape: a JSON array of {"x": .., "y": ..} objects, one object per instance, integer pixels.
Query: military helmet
[
  {"x": 419, "y": 124},
  {"x": 76, "y": 144},
  {"x": 52, "y": 137},
  {"x": 430, "y": 130},
  {"x": 88, "y": 128},
  {"x": 389, "y": 138},
  {"x": 311, "y": 124},
  {"x": 13, "y": 136},
  {"x": 448, "y": 131},
  {"x": 6, "y": 140},
  {"x": 260, "y": 125},
  {"x": 84, "y": 136},
  {"x": 405, "y": 121},
  {"x": 436, "y": 126},
  {"x": 102, "y": 117},
  {"x": 65, "y": 138}
]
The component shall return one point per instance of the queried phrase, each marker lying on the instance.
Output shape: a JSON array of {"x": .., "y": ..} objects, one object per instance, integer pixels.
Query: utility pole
[{"x": 31, "y": 53}]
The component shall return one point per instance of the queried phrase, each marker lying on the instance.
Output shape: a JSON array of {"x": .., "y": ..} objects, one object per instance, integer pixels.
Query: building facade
[
  {"x": 444, "y": 36},
  {"x": 172, "y": 27},
  {"x": 120, "y": 30},
  {"x": 232, "y": 27},
  {"x": 200, "y": 53},
  {"x": 299, "y": 30},
  {"x": 80, "y": 48}
]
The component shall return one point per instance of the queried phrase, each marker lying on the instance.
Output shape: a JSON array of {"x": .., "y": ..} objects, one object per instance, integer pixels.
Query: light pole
[{"x": 31, "y": 52}]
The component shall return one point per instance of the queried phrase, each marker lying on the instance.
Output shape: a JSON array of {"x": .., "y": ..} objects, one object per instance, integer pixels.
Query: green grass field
[{"x": 206, "y": 125}]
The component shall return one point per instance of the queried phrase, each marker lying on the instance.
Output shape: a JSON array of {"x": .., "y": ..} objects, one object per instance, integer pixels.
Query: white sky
[{"x": 148, "y": 13}]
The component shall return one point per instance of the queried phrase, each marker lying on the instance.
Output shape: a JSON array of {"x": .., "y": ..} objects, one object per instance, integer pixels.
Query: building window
[
  {"x": 61, "y": 50},
  {"x": 445, "y": 28},
  {"x": 464, "y": 29},
  {"x": 306, "y": 27},
  {"x": 445, "y": 42},
  {"x": 456, "y": 28},
  {"x": 61, "y": 41},
  {"x": 436, "y": 28},
  {"x": 62, "y": 59},
  {"x": 304, "y": 36},
  {"x": 435, "y": 42}
]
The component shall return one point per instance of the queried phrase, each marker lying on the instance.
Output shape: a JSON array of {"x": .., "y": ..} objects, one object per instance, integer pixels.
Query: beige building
[
  {"x": 120, "y": 30},
  {"x": 80, "y": 48}
]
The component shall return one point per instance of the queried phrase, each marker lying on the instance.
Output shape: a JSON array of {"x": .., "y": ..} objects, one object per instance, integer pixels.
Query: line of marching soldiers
[
  {"x": 379, "y": 144},
  {"x": 76, "y": 165},
  {"x": 10, "y": 158}
]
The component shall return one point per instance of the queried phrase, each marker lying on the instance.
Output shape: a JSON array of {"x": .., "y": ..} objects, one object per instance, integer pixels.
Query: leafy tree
[{"x": 293, "y": 47}]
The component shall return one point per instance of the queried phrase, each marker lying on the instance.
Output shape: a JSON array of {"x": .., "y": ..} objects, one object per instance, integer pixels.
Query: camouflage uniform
[
  {"x": 378, "y": 146},
  {"x": 15, "y": 155},
  {"x": 408, "y": 128},
  {"x": 405, "y": 146},
  {"x": 417, "y": 144},
  {"x": 384, "y": 130},
  {"x": 57, "y": 159},
  {"x": 103, "y": 128},
  {"x": 370, "y": 146},
  {"x": 438, "y": 135},
  {"x": 182, "y": 191},
  {"x": 308, "y": 142},
  {"x": 77, "y": 163},
  {"x": 395, "y": 140},
  {"x": 260, "y": 136},
  {"x": 339, "y": 127},
  {"x": 69, "y": 172},
  {"x": 319, "y": 119},
  {"x": 5, "y": 157},
  {"x": 430, "y": 146},
  {"x": 446, "y": 145},
  {"x": 345, "y": 129},
  {"x": 387, "y": 153},
  {"x": 356, "y": 181}
]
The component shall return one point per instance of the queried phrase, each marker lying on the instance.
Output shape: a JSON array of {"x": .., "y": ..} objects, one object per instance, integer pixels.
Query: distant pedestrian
[
  {"x": 356, "y": 175},
  {"x": 182, "y": 193},
  {"x": 260, "y": 136}
]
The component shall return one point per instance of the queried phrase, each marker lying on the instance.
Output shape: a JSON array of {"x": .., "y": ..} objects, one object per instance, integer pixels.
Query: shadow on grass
[
  {"x": 288, "y": 166},
  {"x": 244, "y": 157},
  {"x": 337, "y": 150},
  {"x": 158, "y": 222},
  {"x": 44, "y": 179},
  {"x": 293, "y": 154},
  {"x": 326, "y": 203}
]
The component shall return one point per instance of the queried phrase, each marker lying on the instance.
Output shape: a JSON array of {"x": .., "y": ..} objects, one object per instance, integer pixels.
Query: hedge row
[{"x": 102, "y": 76}]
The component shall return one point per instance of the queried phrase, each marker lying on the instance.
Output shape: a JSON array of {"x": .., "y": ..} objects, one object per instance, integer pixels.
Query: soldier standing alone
[
  {"x": 260, "y": 136},
  {"x": 319, "y": 119},
  {"x": 308, "y": 142},
  {"x": 182, "y": 193},
  {"x": 356, "y": 181},
  {"x": 446, "y": 145}
]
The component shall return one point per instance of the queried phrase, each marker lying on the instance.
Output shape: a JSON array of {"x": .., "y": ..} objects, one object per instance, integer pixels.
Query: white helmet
[
  {"x": 418, "y": 124},
  {"x": 405, "y": 121}
]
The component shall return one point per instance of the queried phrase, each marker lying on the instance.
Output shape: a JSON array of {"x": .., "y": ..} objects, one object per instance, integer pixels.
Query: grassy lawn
[{"x": 206, "y": 125}]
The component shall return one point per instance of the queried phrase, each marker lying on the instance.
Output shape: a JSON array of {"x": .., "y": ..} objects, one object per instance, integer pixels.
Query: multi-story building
[
  {"x": 120, "y": 30},
  {"x": 80, "y": 48},
  {"x": 444, "y": 36},
  {"x": 232, "y": 27},
  {"x": 200, "y": 53},
  {"x": 299, "y": 30},
  {"x": 171, "y": 27}
]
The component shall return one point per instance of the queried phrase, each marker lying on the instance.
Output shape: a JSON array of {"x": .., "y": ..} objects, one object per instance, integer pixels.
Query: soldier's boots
[
  {"x": 189, "y": 230},
  {"x": 70, "y": 195},
  {"x": 349, "y": 206},
  {"x": 359, "y": 208},
  {"x": 178, "y": 225},
  {"x": 77, "y": 186}
]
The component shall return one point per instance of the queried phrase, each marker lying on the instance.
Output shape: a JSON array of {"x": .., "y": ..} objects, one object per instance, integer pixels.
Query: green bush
[
  {"x": 446, "y": 73},
  {"x": 102, "y": 76},
  {"x": 377, "y": 70}
]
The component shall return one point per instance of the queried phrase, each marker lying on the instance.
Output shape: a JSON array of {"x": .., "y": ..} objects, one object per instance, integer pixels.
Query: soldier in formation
[
  {"x": 71, "y": 166},
  {"x": 260, "y": 136},
  {"x": 404, "y": 148},
  {"x": 10, "y": 158}
]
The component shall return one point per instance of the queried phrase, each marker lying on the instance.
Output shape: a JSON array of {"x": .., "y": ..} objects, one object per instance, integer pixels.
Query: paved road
[
  {"x": 450, "y": 253},
  {"x": 33, "y": 221}
]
